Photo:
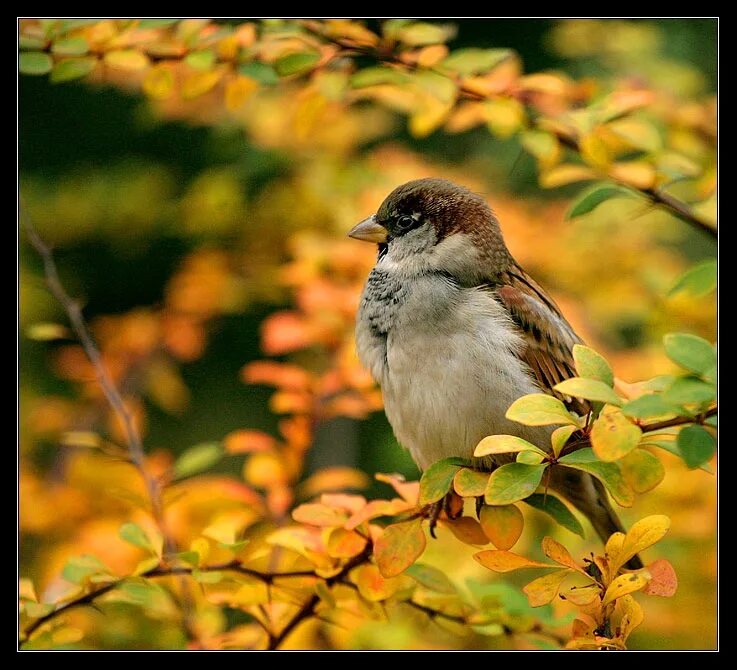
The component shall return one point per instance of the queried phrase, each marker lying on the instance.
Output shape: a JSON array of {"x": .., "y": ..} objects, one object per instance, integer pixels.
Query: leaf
[
  {"x": 37, "y": 610},
  {"x": 648, "y": 406},
  {"x": 623, "y": 585},
  {"x": 70, "y": 46},
  {"x": 696, "y": 445},
  {"x": 159, "y": 82},
  {"x": 637, "y": 174},
  {"x": 632, "y": 615},
  {"x": 73, "y": 68},
  {"x": 594, "y": 150},
  {"x": 467, "y": 530},
  {"x": 689, "y": 390},
  {"x": 544, "y": 146},
  {"x": 437, "y": 479},
  {"x": 237, "y": 91},
  {"x": 608, "y": 474},
  {"x": 590, "y": 389},
  {"x": 553, "y": 507},
  {"x": 248, "y": 441},
  {"x": 540, "y": 409},
  {"x": 261, "y": 72},
  {"x": 697, "y": 280},
  {"x": 208, "y": 576},
  {"x": 475, "y": 61},
  {"x": 564, "y": 174},
  {"x": 34, "y": 62},
  {"x": 134, "y": 534},
  {"x": 371, "y": 585},
  {"x": 317, "y": 514},
  {"x": 197, "y": 458},
  {"x": 642, "y": 535},
  {"x": 79, "y": 568},
  {"x": 506, "y": 561},
  {"x": 409, "y": 491},
  {"x": 502, "y": 524},
  {"x": 201, "y": 60},
  {"x": 613, "y": 435},
  {"x": 663, "y": 579},
  {"x": 420, "y": 34},
  {"x": 504, "y": 444},
  {"x": 431, "y": 578},
  {"x": 296, "y": 63},
  {"x": 593, "y": 198},
  {"x": 146, "y": 564},
  {"x": 690, "y": 352},
  {"x": 543, "y": 590},
  {"x": 558, "y": 553},
  {"x": 127, "y": 59},
  {"x": 513, "y": 482},
  {"x": 581, "y": 595},
  {"x": 504, "y": 116},
  {"x": 373, "y": 76},
  {"x": 560, "y": 437},
  {"x": 199, "y": 83},
  {"x": 530, "y": 457},
  {"x": 468, "y": 482},
  {"x": 638, "y": 133},
  {"x": 399, "y": 546},
  {"x": 592, "y": 365},
  {"x": 642, "y": 470}
]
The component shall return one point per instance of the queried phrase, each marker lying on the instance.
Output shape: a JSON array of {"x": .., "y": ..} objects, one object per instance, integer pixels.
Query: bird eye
[{"x": 405, "y": 222}]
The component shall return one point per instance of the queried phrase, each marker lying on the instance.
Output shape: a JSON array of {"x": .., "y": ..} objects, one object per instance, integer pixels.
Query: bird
[{"x": 454, "y": 330}]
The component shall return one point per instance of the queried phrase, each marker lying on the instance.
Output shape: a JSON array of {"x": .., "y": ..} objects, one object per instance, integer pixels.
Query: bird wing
[{"x": 548, "y": 337}]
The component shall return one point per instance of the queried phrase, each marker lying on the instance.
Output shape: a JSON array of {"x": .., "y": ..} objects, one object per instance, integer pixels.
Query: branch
[
  {"x": 160, "y": 571},
  {"x": 678, "y": 421}
]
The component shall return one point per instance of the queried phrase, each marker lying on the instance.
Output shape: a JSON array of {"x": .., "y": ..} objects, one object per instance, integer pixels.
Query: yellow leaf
[
  {"x": 625, "y": 584},
  {"x": 264, "y": 470},
  {"x": 371, "y": 584},
  {"x": 467, "y": 530},
  {"x": 399, "y": 546},
  {"x": 502, "y": 524},
  {"x": 581, "y": 595},
  {"x": 431, "y": 55},
  {"x": 502, "y": 444},
  {"x": 468, "y": 483},
  {"x": 504, "y": 116},
  {"x": 642, "y": 535},
  {"x": 542, "y": 590},
  {"x": 429, "y": 116},
  {"x": 560, "y": 175},
  {"x": 545, "y": 82},
  {"x": 559, "y": 438},
  {"x": 202, "y": 548},
  {"x": 159, "y": 82},
  {"x": 127, "y": 59},
  {"x": 594, "y": 151},
  {"x": 557, "y": 552},
  {"x": 637, "y": 174},
  {"x": 199, "y": 83},
  {"x": 317, "y": 514},
  {"x": 614, "y": 435},
  {"x": 345, "y": 543},
  {"x": 632, "y": 616},
  {"x": 506, "y": 561},
  {"x": 238, "y": 91}
]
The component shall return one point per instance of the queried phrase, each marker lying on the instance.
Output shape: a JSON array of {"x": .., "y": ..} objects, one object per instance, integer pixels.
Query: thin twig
[{"x": 678, "y": 421}]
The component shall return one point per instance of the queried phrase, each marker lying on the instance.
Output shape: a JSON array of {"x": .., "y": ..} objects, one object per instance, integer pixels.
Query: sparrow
[{"x": 454, "y": 331}]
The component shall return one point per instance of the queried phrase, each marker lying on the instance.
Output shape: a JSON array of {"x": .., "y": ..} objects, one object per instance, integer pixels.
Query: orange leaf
[
  {"x": 264, "y": 470},
  {"x": 281, "y": 375},
  {"x": 410, "y": 491},
  {"x": 377, "y": 508},
  {"x": 238, "y": 91},
  {"x": 334, "y": 479},
  {"x": 284, "y": 332},
  {"x": 663, "y": 579},
  {"x": 467, "y": 530},
  {"x": 371, "y": 585},
  {"x": 506, "y": 561},
  {"x": 400, "y": 546},
  {"x": 502, "y": 524},
  {"x": 555, "y": 550},
  {"x": 290, "y": 402},
  {"x": 468, "y": 482},
  {"x": 247, "y": 441},
  {"x": 317, "y": 514},
  {"x": 345, "y": 543},
  {"x": 345, "y": 501},
  {"x": 637, "y": 174}
]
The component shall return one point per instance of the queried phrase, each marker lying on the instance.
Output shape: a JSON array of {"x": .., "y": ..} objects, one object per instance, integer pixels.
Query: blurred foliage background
[{"x": 185, "y": 231}]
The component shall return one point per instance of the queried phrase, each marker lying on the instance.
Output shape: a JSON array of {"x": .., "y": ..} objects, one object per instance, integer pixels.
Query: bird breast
[{"x": 446, "y": 358}]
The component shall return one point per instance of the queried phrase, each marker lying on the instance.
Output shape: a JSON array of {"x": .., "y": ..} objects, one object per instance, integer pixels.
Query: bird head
[{"x": 434, "y": 225}]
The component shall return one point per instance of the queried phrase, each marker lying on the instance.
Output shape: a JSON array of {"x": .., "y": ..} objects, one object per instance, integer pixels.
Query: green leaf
[
  {"x": 197, "y": 458},
  {"x": 672, "y": 448},
  {"x": 431, "y": 578},
  {"x": 642, "y": 470},
  {"x": 201, "y": 60},
  {"x": 34, "y": 62},
  {"x": 70, "y": 46},
  {"x": 530, "y": 457},
  {"x": 553, "y": 507},
  {"x": 540, "y": 409},
  {"x": 208, "y": 576},
  {"x": 189, "y": 557},
  {"x": 690, "y": 352},
  {"x": 559, "y": 438},
  {"x": 74, "y": 68},
  {"x": 689, "y": 390},
  {"x": 261, "y": 72},
  {"x": 371, "y": 76},
  {"x": 296, "y": 63},
  {"x": 134, "y": 534},
  {"x": 608, "y": 474},
  {"x": 613, "y": 435},
  {"x": 437, "y": 479},
  {"x": 504, "y": 444},
  {"x": 32, "y": 43},
  {"x": 79, "y": 568},
  {"x": 475, "y": 61},
  {"x": 156, "y": 23},
  {"x": 647, "y": 406},
  {"x": 593, "y": 198},
  {"x": 592, "y": 365},
  {"x": 696, "y": 445},
  {"x": 513, "y": 482},
  {"x": 421, "y": 34},
  {"x": 698, "y": 280},
  {"x": 589, "y": 389},
  {"x": 37, "y": 610}
]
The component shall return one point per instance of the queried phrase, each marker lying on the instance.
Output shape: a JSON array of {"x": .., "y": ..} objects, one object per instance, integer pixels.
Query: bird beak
[{"x": 369, "y": 231}]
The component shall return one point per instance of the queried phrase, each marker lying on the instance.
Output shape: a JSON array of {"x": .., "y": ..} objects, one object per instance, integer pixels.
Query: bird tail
[{"x": 589, "y": 496}]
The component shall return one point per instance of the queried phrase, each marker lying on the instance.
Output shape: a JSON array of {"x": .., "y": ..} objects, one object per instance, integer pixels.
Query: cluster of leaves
[{"x": 611, "y": 132}]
